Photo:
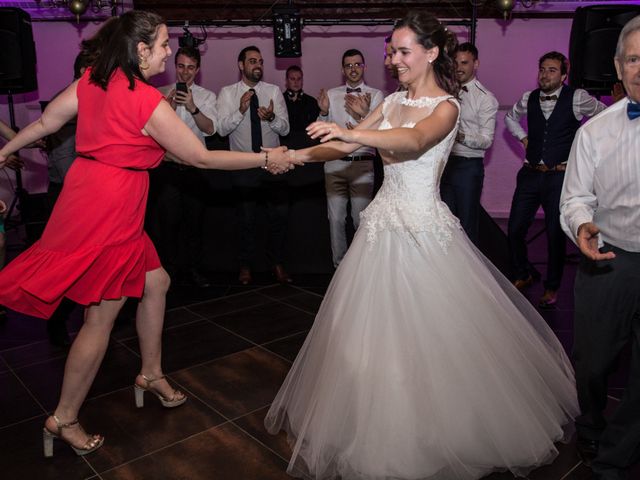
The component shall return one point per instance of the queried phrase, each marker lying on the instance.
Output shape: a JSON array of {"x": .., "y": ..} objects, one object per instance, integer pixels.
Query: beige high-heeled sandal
[
  {"x": 176, "y": 400},
  {"x": 93, "y": 443}
]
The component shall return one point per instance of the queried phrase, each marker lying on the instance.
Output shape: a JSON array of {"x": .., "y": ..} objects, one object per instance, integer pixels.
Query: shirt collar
[
  {"x": 555, "y": 92},
  {"x": 469, "y": 83},
  {"x": 360, "y": 86},
  {"x": 246, "y": 87}
]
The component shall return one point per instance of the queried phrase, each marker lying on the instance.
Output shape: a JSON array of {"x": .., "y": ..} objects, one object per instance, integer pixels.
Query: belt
[
  {"x": 358, "y": 158},
  {"x": 541, "y": 167}
]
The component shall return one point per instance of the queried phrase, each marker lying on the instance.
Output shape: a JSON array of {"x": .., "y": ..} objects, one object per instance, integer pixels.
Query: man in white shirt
[
  {"x": 600, "y": 212},
  {"x": 461, "y": 183},
  {"x": 350, "y": 178},
  {"x": 253, "y": 113},
  {"x": 179, "y": 207},
  {"x": 553, "y": 112}
]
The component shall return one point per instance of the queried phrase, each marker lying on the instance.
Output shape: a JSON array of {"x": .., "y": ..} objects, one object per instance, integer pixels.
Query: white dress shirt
[
  {"x": 478, "y": 109},
  {"x": 339, "y": 115},
  {"x": 583, "y": 105},
  {"x": 602, "y": 181},
  {"x": 205, "y": 100},
  {"x": 238, "y": 126}
]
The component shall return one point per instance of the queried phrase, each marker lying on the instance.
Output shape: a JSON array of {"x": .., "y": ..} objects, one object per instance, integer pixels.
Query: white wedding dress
[{"x": 424, "y": 362}]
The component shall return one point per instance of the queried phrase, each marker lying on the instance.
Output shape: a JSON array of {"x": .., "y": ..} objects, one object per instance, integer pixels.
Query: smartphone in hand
[{"x": 181, "y": 87}]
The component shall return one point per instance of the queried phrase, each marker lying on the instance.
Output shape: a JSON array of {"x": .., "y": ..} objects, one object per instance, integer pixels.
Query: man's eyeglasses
[{"x": 349, "y": 66}]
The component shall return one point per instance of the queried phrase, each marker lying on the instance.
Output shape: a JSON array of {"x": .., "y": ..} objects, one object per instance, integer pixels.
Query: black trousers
[
  {"x": 274, "y": 195},
  {"x": 175, "y": 216},
  {"x": 535, "y": 189},
  {"x": 460, "y": 188},
  {"x": 607, "y": 317}
]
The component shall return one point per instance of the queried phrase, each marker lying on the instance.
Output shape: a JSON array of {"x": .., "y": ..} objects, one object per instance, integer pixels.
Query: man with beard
[
  {"x": 350, "y": 178},
  {"x": 553, "y": 112},
  {"x": 253, "y": 113},
  {"x": 461, "y": 183},
  {"x": 182, "y": 190}
]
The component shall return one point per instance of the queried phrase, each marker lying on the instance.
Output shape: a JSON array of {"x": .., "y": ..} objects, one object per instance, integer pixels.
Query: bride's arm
[
  {"x": 424, "y": 135},
  {"x": 336, "y": 149}
]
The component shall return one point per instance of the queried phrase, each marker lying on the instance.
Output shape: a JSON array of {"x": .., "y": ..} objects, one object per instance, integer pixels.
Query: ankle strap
[
  {"x": 60, "y": 425},
  {"x": 150, "y": 380}
]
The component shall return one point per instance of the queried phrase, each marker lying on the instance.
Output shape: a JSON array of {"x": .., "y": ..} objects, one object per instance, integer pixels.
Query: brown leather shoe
[
  {"x": 522, "y": 284},
  {"x": 281, "y": 275},
  {"x": 244, "y": 277},
  {"x": 548, "y": 298}
]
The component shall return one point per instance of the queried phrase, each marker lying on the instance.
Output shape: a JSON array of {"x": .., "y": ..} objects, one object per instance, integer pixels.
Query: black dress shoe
[
  {"x": 281, "y": 275},
  {"x": 587, "y": 450},
  {"x": 244, "y": 276}
]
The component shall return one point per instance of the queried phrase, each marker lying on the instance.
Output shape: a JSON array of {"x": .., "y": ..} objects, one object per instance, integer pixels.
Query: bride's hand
[{"x": 326, "y": 131}]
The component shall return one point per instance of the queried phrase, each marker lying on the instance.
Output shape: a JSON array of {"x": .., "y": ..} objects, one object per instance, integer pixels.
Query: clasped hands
[{"x": 281, "y": 160}]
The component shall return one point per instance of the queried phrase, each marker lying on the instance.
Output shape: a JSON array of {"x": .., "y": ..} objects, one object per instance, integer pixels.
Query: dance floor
[{"x": 229, "y": 348}]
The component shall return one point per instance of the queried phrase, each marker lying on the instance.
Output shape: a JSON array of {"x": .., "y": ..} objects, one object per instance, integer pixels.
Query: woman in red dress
[{"x": 94, "y": 250}]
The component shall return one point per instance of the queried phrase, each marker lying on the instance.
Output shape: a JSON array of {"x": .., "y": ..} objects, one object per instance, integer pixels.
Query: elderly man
[{"x": 600, "y": 211}]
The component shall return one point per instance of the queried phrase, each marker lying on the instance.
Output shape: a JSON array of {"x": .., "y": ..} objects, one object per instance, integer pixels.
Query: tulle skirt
[{"x": 424, "y": 364}]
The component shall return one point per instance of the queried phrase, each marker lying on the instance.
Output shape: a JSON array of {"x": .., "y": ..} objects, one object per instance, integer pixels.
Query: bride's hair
[{"x": 430, "y": 32}]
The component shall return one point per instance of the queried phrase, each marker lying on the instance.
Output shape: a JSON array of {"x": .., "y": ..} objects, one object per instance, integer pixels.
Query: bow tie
[
  {"x": 544, "y": 98},
  {"x": 464, "y": 88},
  {"x": 354, "y": 90},
  {"x": 633, "y": 110}
]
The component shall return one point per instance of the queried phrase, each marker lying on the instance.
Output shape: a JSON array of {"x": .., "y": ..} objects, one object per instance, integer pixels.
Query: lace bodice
[{"x": 409, "y": 199}]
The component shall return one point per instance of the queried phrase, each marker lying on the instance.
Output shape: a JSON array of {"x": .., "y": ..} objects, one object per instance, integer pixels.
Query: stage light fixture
[
  {"x": 188, "y": 40},
  {"x": 287, "y": 28}
]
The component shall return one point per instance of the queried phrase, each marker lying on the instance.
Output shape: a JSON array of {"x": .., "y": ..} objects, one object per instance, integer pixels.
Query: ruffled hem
[
  {"x": 338, "y": 467},
  {"x": 423, "y": 365},
  {"x": 36, "y": 281}
]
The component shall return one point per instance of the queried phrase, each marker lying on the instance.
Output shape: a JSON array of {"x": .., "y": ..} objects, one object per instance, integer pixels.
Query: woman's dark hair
[
  {"x": 431, "y": 33},
  {"x": 121, "y": 47},
  {"x": 91, "y": 47}
]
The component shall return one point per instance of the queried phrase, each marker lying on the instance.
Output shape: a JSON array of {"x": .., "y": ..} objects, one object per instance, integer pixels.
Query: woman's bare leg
[
  {"x": 149, "y": 324},
  {"x": 85, "y": 357}
]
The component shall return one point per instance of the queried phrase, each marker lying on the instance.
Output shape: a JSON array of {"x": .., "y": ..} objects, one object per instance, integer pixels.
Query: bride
[{"x": 423, "y": 362}]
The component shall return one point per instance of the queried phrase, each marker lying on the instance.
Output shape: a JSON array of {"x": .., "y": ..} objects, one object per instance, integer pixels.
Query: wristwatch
[{"x": 195, "y": 112}]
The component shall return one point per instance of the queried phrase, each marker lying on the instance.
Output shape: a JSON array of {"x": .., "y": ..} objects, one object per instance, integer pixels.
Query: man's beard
[{"x": 256, "y": 75}]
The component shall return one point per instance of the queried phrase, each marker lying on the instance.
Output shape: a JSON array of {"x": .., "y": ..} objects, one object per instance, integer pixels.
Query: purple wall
[{"x": 508, "y": 54}]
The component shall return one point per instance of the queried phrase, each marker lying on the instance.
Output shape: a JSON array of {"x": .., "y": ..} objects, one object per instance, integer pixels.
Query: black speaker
[
  {"x": 287, "y": 28},
  {"x": 592, "y": 46},
  {"x": 17, "y": 52}
]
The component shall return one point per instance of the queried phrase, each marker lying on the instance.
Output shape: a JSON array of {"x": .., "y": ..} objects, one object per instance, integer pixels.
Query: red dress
[{"x": 94, "y": 246}]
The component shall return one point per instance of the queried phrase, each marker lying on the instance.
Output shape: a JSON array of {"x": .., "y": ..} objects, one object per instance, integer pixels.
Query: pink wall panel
[{"x": 508, "y": 55}]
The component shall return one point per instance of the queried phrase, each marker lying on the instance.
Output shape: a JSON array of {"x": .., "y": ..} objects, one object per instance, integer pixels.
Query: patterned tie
[
  {"x": 633, "y": 110},
  {"x": 256, "y": 128},
  {"x": 544, "y": 98},
  {"x": 354, "y": 90}
]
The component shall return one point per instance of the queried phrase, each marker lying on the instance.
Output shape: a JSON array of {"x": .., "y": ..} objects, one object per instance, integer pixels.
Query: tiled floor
[{"x": 229, "y": 348}]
